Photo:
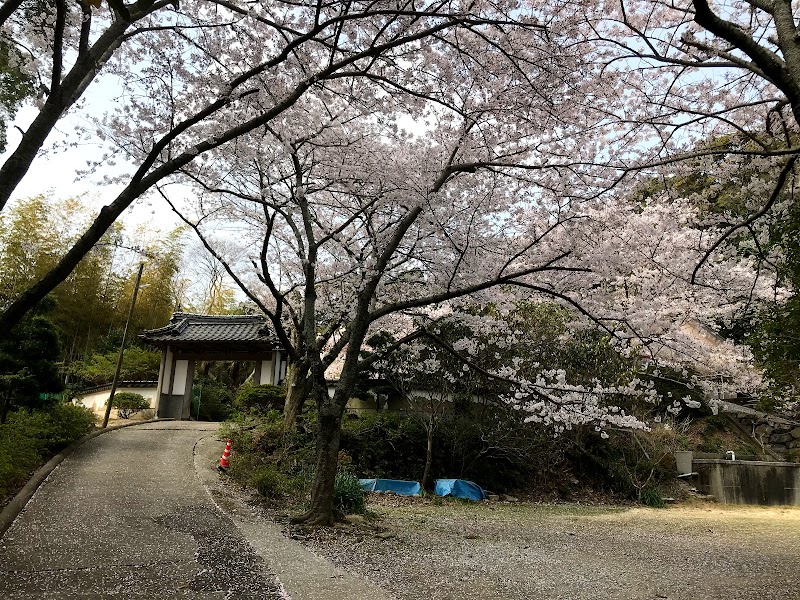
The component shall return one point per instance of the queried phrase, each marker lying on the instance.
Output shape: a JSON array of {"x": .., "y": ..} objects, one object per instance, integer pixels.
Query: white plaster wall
[
  {"x": 167, "y": 367},
  {"x": 282, "y": 369},
  {"x": 181, "y": 369},
  {"x": 96, "y": 401},
  {"x": 267, "y": 370}
]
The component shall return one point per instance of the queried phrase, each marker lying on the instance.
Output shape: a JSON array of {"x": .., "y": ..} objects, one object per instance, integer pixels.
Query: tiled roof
[{"x": 191, "y": 328}]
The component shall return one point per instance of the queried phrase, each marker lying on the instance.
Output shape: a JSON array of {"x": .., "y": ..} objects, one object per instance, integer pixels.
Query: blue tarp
[
  {"x": 458, "y": 488},
  {"x": 402, "y": 488}
]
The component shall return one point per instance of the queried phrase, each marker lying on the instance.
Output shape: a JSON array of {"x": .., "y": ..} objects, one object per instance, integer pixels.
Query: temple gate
[{"x": 190, "y": 338}]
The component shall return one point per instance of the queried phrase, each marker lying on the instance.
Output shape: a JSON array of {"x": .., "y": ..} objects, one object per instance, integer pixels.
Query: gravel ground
[{"x": 524, "y": 551}]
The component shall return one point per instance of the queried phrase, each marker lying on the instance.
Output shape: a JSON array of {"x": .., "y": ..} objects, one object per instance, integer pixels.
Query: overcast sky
[{"x": 56, "y": 171}]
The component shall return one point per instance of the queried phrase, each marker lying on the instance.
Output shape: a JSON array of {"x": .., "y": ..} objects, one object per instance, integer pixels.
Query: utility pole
[{"x": 122, "y": 347}]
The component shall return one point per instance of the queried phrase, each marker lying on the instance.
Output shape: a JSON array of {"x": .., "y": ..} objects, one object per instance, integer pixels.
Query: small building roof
[{"x": 214, "y": 333}]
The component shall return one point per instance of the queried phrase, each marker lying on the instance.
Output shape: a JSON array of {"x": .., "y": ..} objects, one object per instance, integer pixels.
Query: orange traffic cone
[{"x": 224, "y": 463}]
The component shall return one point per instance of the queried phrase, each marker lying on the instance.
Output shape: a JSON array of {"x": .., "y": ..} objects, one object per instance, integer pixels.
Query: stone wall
[{"x": 779, "y": 436}]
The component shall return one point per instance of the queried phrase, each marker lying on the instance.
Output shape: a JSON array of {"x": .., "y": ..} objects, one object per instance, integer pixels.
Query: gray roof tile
[{"x": 187, "y": 327}]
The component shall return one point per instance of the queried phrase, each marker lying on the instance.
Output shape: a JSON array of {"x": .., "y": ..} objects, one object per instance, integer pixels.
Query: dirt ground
[{"x": 459, "y": 551}]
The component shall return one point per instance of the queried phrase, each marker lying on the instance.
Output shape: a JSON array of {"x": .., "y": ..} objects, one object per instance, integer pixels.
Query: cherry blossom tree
[
  {"x": 664, "y": 75},
  {"x": 359, "y": 223},
  {"x": 363, "y": 227},
  {"x": 197, "y": 78},
  {"x": 54, "y": 51},
  {"x": 715, "y": 83},
  {"x": 294, "y": 120}
]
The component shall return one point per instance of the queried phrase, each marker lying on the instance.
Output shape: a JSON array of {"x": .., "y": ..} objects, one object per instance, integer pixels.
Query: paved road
[{"x": 126, "y": 516}]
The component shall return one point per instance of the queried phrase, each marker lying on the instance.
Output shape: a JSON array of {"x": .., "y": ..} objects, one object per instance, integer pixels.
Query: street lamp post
[{"x": 122, "y": 347}]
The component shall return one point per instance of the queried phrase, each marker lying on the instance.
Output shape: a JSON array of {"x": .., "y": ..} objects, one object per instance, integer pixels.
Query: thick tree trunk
[
  {"x": 328, "y": 434},
  {"x": 428, "y": 458},
  {"x": 296, "y": 394}
]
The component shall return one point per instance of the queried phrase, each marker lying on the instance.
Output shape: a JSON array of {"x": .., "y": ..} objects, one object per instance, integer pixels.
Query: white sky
[{"x": 56, "y": 170}]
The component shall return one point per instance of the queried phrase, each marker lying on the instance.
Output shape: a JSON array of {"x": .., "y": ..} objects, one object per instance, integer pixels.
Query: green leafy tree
[
  {"x": 92, "y": 302},
  {"x": 163, "y": 291},
  {"x": 28, "y": 246},
  {"x": 138, "y": 364},
  {"x": 28, "y": 367}
]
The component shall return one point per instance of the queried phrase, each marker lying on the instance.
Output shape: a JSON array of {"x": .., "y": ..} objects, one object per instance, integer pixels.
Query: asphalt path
[{"x": 126, "y": 516}]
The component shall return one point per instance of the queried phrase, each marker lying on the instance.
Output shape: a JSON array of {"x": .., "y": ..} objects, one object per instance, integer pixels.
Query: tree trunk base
[{"x": 314, "y": 519}]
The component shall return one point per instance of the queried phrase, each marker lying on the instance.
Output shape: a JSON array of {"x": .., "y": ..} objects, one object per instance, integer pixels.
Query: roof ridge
[{"x": 194, "y": 317}]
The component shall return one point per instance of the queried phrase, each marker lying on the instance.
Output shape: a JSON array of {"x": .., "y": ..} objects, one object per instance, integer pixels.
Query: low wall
[
  {"x": 95, "y": 399},
  {"x": 749, "y": 482}
]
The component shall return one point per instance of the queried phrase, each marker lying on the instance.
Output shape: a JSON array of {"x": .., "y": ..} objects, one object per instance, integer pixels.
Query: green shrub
[
  {"x": 635, "y": 463},
  {"x": 211, "y": 401},
  {"x": 128, "y": 404},
  {"x": 19, "y": 457},
  {"x": 652, "y": 497},
  {"x": 261, "y": 398},
  {"x": 55, "y": 428},
  {"x": 67, "y": 423},
  {"x": 269, "y": 482},
  {"x": 385, "y": 445},
  {"x": 30, "y": 438},
  {"x": 348, "y": 497}
]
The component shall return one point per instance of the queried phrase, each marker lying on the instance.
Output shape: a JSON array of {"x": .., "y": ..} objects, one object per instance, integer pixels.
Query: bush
[
  {"x": 652, "y": 497},
  {"x": 128, "y": 404},
  {"x": 488, "y": 445},
  {"x": 498, "y": 452},
  {"x": 211, "y": 401},
  {"x": 255, "y": 462},
  {"x": 385, "y": 445},
  {"x": 635, "y": 463},
  {"x": 261, "y": 398},
  {"x": 30, "y": 438},
  {"x": 67, "y": 423},
  {"x": 55, "y": 428},
  {"x": 269, "y": 482},
  {"x": 348, "y": 497}
]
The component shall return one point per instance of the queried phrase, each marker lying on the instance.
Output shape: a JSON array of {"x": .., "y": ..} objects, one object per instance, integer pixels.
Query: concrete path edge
[
  {"x": 17, "y": 504},
  {"x": 301, "y": 574}
]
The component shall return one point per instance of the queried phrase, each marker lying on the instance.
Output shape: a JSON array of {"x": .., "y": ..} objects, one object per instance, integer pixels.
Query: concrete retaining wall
[{"x": 749, "y": 482}]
